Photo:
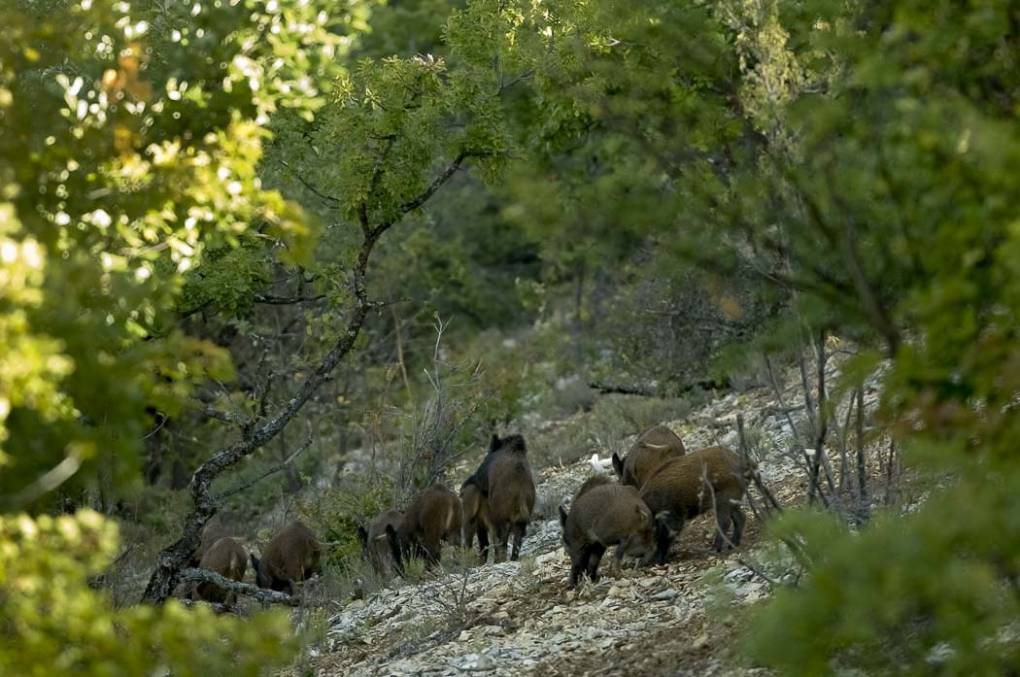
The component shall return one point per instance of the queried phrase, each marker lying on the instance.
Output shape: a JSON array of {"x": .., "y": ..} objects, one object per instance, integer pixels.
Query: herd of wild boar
[{"x": 660, "y": 486}]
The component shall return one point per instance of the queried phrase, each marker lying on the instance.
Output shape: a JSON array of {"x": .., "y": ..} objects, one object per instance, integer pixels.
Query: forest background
[{"x": 239, "y": 240}]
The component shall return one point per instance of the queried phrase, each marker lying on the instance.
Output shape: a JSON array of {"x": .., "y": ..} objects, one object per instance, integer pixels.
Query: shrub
[
  {"x": 55, "y": 624},
  {"x": 336, "y": 514}
]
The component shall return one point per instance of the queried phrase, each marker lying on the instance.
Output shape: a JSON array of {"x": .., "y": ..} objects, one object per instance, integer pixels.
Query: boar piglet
[
  {"x": 292, "y": 556},
  {"x": 434, "y": 517},
  {"x": 605, "y": 514},
  {"x": 226, "y": 557}
]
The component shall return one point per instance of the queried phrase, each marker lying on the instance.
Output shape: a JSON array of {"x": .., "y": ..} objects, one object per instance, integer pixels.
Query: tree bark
[{"x": 261, "y": 594}]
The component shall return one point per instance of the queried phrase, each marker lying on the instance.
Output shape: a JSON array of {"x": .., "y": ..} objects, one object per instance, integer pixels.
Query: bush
[
  {"x": 55, "y": 624},
  {"x": 932, "y": 591},
  {"x": 335, "y": 516}
]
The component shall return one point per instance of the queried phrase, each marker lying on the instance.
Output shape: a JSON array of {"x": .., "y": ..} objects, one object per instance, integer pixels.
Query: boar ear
[
  {"x": 494, "y": 443},
  {"x": 618, "y": 464},
  {"x": 563, "y": 517}
]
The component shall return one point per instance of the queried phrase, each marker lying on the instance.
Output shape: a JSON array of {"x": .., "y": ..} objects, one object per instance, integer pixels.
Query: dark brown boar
[
  {"x": 653, "y": 447},
  {"x": 434, "y": 517},
  {"x": 375, "y": 545},
  {"x": 292, "y": 556},
  {"x": 678, "y": 491},
  {"x": 228, "y": 558},
  {"x": 605, "y": 514},
  {"x": 507, "y": 495}
]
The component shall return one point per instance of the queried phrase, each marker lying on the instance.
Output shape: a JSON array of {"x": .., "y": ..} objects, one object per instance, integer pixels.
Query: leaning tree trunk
[{"x": 174, "y": 558}]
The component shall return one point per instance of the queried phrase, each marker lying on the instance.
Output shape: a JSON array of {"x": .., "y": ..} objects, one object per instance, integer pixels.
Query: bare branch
[
  {"x": 719, "y": 530},
  {"x": 328, "y": 199},
  {"x": 436, "y": 184},
  {"x": 272, "y": 300},
  {"x": 755, "y": 475},
  {"x": 862, "y": 471},
  {"x": 503, "y": 86},
  {"x": 219, "y": 498},
  {"x": 261, "y": 594},
  {"x": 224, "y": 416},
  {"x": 612, "y": 388}
]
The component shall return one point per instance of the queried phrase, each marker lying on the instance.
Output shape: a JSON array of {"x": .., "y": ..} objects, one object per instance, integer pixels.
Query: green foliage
[
  {"x": 336, "y": 515},
  {"x": 230, "y": 278},
  {"x": 55, "y": 624},
  {"x": 654, "y": 166},
  {"x": 129, "y": 147},
  {"x": 864, "y": 159},
  {"x": 915, "y": 593},
  {"x": 406, "y": 28},
  {"x": 906, "y": 170}
]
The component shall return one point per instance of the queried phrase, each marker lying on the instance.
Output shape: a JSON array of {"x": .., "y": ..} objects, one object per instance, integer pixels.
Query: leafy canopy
[{"x": 128, "y": 147}]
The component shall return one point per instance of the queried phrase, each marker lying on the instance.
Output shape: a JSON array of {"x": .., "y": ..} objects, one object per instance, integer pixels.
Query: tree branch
[
  {"x": 272, "y": 300},
  {"x": 173, "y": 558},
  {"x": 261, "y": 594},
  {"x": 224, "y": 416},
  {"x": 437, "y": 182},
  {"x": 328, "y": 199},
  {"x": 45, "y": 483},
  {"x": 219, "y": 498}
]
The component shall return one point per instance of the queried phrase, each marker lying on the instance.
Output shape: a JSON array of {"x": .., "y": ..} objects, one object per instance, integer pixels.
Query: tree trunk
[{"x": 172, "y": 559}]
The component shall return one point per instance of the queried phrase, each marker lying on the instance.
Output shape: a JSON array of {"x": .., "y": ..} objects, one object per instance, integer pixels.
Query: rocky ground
[{"x": 519, "y": 617}]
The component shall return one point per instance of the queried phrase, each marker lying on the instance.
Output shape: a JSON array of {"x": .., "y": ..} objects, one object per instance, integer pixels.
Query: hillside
[{"x": 520, "y": 618}]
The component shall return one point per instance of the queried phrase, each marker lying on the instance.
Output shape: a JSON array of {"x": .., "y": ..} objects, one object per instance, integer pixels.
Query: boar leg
[
  {"x": 666, "y": 524},
  {"x": 722, "y": 524},
  {"x": 282, "y": 585},
  {"x": 502, "y": 538},
  {"x": 594, "y": 557},
  {"x": 628, "y": 546},
  {"x": 483, "y": 543},
  {"x": 738, "y": 523},
  {"x": 469, "y": 535},
  {"x": 520, "y": 528},
  {"x": 578, "y": 563}
]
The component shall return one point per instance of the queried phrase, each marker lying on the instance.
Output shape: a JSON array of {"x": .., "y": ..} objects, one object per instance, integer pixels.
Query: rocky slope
[{"x": 519, "y": 617}]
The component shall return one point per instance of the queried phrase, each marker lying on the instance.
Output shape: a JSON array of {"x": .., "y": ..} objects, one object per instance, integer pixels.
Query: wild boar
[
  {"x": 687, "y": 486},
  {"x": 605, "y": 514},
  {"x": 375, "y": 546},
  {"x": 292, "y": 556},
  {"x": 228, "y": 558},
  {"x": 213, "y": 531},
  {"x": 434, "y": 517},
  {"x": 653, "y": 447},
  {"x": 507, "y": 498}
]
